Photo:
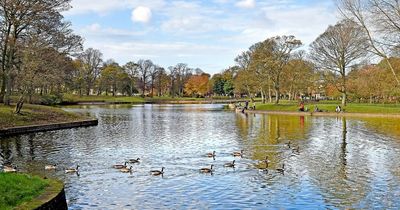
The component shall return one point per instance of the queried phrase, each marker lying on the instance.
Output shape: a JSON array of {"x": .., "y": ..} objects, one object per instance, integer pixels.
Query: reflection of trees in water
[
  {"x": 338, "y": 172},
  {"x": 385, "y": 126},
  {"x": 267, "y": 134}
]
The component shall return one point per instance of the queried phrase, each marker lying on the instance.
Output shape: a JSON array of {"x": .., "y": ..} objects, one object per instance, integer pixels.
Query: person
[
  {"x": 246, "y": 105},
  {"x": 338, "y": 109},
  {"x": 301, "y": 109},
  {"x": 317, "y": 109}
]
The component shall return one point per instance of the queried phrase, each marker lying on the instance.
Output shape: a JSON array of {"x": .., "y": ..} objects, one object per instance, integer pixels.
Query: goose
[
  {"x": 289, "y": 144},
  {"x": 50, "y": 167},
  {"x": 157, "y": 172},
  {"x": 72, "y": 170},
  {"x": 211, "y": 154},
  {"x": 137, "y": 160},
  {"x": 237, "y": 154},
  {"x": 266, "y": 161},
  {"x": 281, "y": 170},
  {"x": 231, "y": 165},
  {"x": 126, "y": 170},
  {"x": 207, "y": 170},
  {"x": 119, "y": 166},
  {"x": 296, "y": 150},
  {"x": 9, "y": 169}
]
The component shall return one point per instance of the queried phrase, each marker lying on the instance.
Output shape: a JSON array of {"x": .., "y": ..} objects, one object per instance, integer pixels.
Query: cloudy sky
[{"x": 207, "y": 34}]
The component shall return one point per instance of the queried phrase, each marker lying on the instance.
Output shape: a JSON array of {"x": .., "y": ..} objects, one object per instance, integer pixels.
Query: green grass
[
  {"x": 121, "y": 99},
  {"x": 18, "y": 188},
  {"x": 330, "y": 107},
  {"x": 34, "y": 115}
]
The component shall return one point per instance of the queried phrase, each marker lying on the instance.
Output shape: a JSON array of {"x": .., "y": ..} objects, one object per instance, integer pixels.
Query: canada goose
[
  {"x": 281, "y": 170},
  {"x": 296, "y": 150},
  {"x": 207, "y": 170},
  {"x": 9, "y": 169},
  {"x": 236, "y": 154},
  {"x": 119, "y": 166},
  {"x": 137, "y": 160},
  {"x": 157, "y": 172},
  {"x": 231, "y": 165},
  {"x": 289, "y": 144},
  {"x": 266, "y": 161},
  {"x": 50, "y": 167},
  {"x": 72, "y": 170},
  {"x": 126, "y": 170},
  {"x": 211, "y": 154}
]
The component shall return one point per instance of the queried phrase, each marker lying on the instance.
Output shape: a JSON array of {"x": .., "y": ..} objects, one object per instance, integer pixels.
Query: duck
[
  {"x": 126, "y": 170},
  {"x": 237, "y": 154},
  {"x": 137, "y": 160},
  {"x": 72, "y": 170},
  {"x": 157, "y": 172},
  {"x": 281, "y": 170},
  {"x": 119, "y": 166},
  {"x": 50, "y": 167},
  {"x": 211, "y": 154},
  {"x": 207, "y": 170},
  {"x": 9, "y": 169},
  {"x": 231, "y": 165}
]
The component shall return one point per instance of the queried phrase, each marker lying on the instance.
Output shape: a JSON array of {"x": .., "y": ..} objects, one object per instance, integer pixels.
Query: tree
[
  {"x": 180, "y": 73},
  {"x": 337, "y": 49},
  {"x": 21, "y": 20},
  {"x": 197, "y": 85},
  {"x": 145, "y": 69},
  {"x": 131, "y": 68},
  {"x": 380, "y": 20},
  {"x": 90, "y": 66},
  {"x": 270, "y": 57}
]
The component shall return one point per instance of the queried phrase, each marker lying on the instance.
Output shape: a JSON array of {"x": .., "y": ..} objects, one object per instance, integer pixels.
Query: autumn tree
[
  {"x": 197, "y": 85},
  {"x": 338, "y": 49},
  {"x": 270, "y": 57},
  {"x": 145, "y": 69}
]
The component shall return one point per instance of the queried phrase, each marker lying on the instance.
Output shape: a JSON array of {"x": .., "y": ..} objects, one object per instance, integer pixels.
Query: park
[{"x": 155, "y": 113}]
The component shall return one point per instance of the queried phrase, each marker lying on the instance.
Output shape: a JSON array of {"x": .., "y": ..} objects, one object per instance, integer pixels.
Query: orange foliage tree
[{"x": 197, "y": 85}]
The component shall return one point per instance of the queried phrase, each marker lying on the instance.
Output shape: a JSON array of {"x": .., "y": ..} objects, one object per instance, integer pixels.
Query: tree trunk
[
  {"x": 344, "y": 99},
  {"x": 277, "y": 94}
]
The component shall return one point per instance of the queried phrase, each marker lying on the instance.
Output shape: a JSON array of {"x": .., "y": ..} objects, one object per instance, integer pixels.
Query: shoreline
[
  {"x": 322, "y": 114},
  {"x": 19, "y": 130},
  {"x": 217, "y": 101}
]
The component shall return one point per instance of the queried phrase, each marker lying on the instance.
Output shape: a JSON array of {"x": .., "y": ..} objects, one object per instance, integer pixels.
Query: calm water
[{"x": 343, "y": 163}]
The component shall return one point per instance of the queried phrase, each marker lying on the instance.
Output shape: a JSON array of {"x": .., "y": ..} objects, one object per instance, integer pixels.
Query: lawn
[
  {"x": 330, "y": 107},
  {"x": 35, "y": 115},
  {"x": 18, "y": 188}
]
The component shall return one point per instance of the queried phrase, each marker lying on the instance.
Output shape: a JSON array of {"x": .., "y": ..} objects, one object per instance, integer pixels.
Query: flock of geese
[{"x": 125, "y": 169}]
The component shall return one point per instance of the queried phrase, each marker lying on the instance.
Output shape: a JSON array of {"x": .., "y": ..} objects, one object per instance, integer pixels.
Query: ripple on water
[{"x": 335, "y": 169}]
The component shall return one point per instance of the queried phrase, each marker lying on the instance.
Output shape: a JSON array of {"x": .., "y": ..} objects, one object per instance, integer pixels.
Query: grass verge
[
  {"x": 16, "y": 189},
  {"x": 330, "y": 107},
  {"x": 35, "y": 115}
]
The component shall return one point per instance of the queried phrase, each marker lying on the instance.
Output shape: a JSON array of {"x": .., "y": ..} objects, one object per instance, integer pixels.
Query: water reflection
[{"x": 341, "y": 163}]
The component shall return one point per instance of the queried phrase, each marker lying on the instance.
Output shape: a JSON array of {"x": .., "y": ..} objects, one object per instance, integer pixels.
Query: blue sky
[{"x": 204, "y": 34}]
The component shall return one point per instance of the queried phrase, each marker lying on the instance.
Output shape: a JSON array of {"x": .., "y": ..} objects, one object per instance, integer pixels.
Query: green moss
[
  {"x": 18, "y": 188},
  {"x": 34, "y": 115}
]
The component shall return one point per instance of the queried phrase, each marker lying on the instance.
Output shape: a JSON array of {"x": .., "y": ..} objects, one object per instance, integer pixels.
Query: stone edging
[
  {"x": 322, "y": 114},
  {"x": 47, "y": 127},
  {"x": 52, "y": 198}
]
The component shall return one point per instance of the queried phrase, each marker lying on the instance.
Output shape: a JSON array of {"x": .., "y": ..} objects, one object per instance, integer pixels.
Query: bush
[{"x": 51, "y": 99}]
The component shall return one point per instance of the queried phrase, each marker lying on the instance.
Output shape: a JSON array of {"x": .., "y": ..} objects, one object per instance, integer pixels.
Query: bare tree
[
  {"x": 338, "y": 48},
  {"x": 145, "y": 67},
  {"x": 91, "y": 63},
  {"x": 380, "y": 19}
]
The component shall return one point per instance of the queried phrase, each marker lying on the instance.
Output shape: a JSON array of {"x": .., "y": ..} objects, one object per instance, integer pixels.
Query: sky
[{"x": 206, "y": 34}]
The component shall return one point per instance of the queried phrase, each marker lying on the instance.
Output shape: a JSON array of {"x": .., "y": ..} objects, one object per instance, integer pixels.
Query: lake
[{"x": 341, "y": 163}]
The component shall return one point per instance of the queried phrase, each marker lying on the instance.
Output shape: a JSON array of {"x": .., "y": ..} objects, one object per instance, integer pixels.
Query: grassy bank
[
  {"x": 34, "y": 115},
  {"x": 109, "y": 99},
  {"x": 18, "y": 188},
  {"x": 330, "y": 107}
]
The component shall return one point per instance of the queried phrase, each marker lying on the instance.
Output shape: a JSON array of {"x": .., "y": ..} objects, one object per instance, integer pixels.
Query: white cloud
[
  {"x": 246, "y": 4},
  {"x": 141, "y": 14}
]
